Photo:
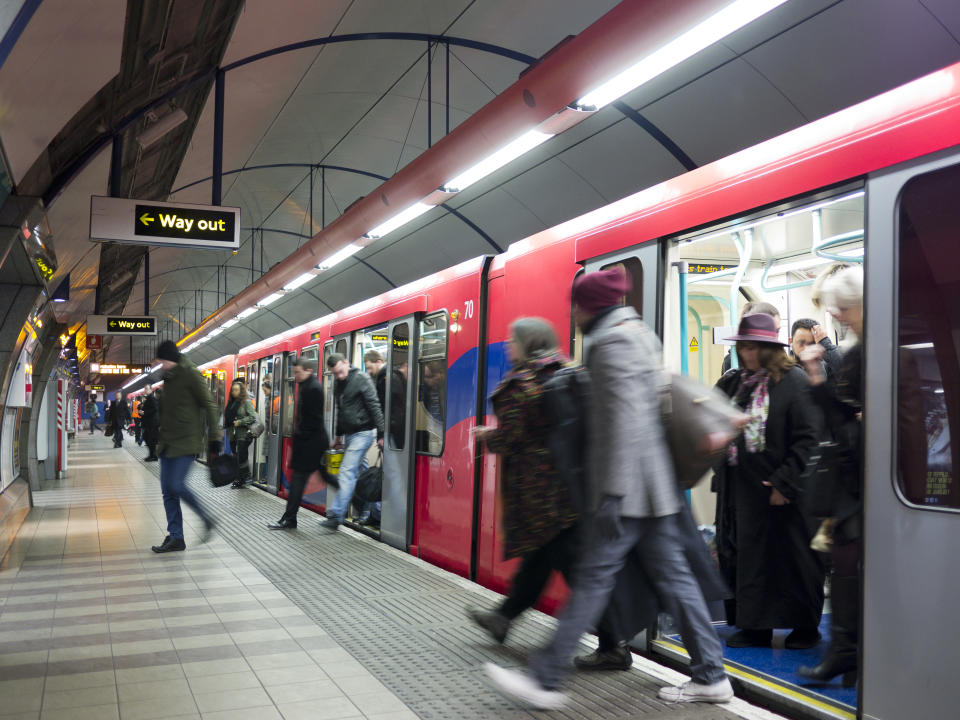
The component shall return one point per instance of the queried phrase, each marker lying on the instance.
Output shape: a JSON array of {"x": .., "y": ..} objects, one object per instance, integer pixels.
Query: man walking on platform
[
  {"x": 186, "y": 406},
  {"x": 309, "y": 439},
  {"x": 93, "y": 412},
  {"x": 633, "y": 503},
  {"x": 119, "y": 418},
  {"x": 359, "y": 423}
]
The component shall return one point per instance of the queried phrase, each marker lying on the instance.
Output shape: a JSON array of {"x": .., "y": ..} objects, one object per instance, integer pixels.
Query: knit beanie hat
[
  {"x": 596, "y": 291},
  {"x": 167, "y": 350}
]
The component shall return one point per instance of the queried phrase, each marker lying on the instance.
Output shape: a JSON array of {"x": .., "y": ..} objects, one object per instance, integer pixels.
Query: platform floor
[{"x": 255, "y": 624}]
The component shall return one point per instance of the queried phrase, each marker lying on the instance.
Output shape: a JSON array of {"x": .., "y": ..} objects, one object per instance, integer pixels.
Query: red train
[{"x": 779, "y": 209}]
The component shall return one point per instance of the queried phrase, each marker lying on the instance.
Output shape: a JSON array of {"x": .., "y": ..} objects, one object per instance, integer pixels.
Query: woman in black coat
[{"x": 763, "y": 539}]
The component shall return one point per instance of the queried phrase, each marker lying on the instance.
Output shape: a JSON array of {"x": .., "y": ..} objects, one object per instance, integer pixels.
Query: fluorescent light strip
[
  {"x": 701, "y": 36},
  {"x": 230, "y": 323},
  {"x": 248, "y": 312},
  {"x": 272, "y": 298},
  {"x": 401, "y": 218},
  {"x": 339, "y": 256},
  {"x": 523, "y": 144},
  {"x": 214, "y": 332},
  {"x": 297, "y": 282},
  {"x": 918, "y": 346}
]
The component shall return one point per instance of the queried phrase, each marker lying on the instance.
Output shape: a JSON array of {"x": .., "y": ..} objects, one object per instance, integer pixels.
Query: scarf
[
  {"x": 230, "y": 414},
  {"x": 754, "y": 398}
]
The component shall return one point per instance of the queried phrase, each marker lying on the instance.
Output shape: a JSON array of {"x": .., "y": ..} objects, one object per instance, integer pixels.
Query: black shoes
[
  {"x": 750, "y": 638},
  {"x": 208, "y": 526},
  {"x": 170, "y": 544},
  {"x": 802, "y": 639},
  {"x": 618, "y": 658},
  {"x": 151, "y": 459},
  {"x": 283, "y": 524},
  {"x": 331, "y": 523},
  {"x": 239, "y": 484},
  {"x": 495, "y": 623}
]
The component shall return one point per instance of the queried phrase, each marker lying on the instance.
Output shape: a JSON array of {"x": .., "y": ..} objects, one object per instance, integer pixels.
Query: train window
[
  {"x": 252, "y": 380},
  {"x": 372, "y": 340},
  {"x": 634, "y": 269},
  {"x": 310, "y": 353},
  {"x": 928, "y": 378},
  {"x": 399, "y": 371},
  {"x": 342, "y": 349},
  {"x": 289, "y": 395},
  {"x": 432, "y": 385},
  {"x": 328, "y": 383}
]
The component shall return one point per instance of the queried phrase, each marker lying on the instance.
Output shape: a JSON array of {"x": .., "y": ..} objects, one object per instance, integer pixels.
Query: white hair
[{"x": 840, "y": 287}]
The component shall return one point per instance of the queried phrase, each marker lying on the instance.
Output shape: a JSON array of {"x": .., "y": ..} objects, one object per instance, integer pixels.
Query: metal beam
[{"x": 218, "y": 100}]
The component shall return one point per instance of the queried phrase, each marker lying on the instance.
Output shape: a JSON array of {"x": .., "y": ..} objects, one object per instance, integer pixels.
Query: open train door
[{"x": 399, "y": 482}]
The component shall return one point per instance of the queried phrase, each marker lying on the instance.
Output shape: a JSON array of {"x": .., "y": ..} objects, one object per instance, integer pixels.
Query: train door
[
  {"x": 329, "y": 409},
  {"x": 264, "y": 394},
  {"x": 911, "y": 536},
  {"x": 396, "y": 525},
  {"x": 770, "y": 259}
]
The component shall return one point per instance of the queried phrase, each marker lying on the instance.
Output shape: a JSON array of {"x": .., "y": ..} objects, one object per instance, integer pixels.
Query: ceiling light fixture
[
  {"x": 339, "y": 256},
  {"x": 161, "y": 127},
  {"x": 709, "y": 31},
  {"x": 230, "y": 323},
  {"x": 523, "y": 144},
  {"x": 271, "y": 298},
  {"x": 401, "y": 218},
  {"x": 297, "y": 282},
  {"x": 247, "y": 313}
]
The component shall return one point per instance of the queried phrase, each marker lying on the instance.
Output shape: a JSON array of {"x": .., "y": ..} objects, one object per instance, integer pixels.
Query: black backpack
[
  {"x": 370, "y": 483},
  {"x": 566, "y": 402}
]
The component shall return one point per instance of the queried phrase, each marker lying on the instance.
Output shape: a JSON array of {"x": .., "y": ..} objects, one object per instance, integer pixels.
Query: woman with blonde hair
[{"x": 538, "y": 517}]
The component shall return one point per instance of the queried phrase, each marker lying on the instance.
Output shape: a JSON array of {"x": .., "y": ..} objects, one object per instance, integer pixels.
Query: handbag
[
  {"x": 370, "y": 483},
  {"x": 819, "y": 480},
  {"x": 699, "y": 423},
  {"x": 257, "y": 427},
  {"x": 224, "y": 469}
]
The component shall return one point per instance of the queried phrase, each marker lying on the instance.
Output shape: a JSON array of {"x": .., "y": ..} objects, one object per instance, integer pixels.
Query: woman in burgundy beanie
[{"x": 596, "y": 291}]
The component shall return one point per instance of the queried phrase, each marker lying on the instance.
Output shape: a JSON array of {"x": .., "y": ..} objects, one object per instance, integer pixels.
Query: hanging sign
[
  {"x": 156, "y": 223},
  {"x": 122, "y": 325},
  {"x": 707, "y": 268}
]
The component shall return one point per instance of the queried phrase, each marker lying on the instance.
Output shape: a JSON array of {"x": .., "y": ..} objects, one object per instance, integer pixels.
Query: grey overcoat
[{"x": 628, "y": 455}]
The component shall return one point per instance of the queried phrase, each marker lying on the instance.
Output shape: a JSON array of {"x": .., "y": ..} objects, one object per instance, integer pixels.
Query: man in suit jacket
[
  {"x": 634, "y": 504},
  {"x": 309, "y": 439}
]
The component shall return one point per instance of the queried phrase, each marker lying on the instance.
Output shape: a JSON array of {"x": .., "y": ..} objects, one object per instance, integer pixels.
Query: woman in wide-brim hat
[{"x": 763, "y": 539}]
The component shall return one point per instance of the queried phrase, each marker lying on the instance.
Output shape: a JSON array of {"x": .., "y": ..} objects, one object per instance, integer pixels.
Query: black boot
[
  {"x": 494, "y": 622},
  {"x": 841, "y": 656},
  {"x": 170, "y": 544}
]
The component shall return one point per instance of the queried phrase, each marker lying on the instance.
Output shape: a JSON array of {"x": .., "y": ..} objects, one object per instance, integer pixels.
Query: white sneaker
[
  {"x": 717, "y": 692},
  {"x": 522, "y": 687}
]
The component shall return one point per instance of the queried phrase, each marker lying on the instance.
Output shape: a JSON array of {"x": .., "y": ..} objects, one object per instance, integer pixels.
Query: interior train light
[
  {"x": 523, "y": 144},
  {"x": 297, "y": 282},
  {"x": 339, "y": 256},
  {"x": 401, "y": 218},
  {"x": 247, "y": 313},
  {"x": 271, "y": 298},
  {"x": 711, "y": 30}
]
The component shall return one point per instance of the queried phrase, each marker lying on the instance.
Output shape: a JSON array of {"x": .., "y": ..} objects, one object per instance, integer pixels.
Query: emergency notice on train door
[{"x": 156, "y": 223}]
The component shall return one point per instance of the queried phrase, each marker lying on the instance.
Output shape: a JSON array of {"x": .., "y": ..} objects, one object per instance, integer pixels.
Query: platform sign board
[
  {"x": 143, "y": 222},
  {"x": 121, "y": 325}
]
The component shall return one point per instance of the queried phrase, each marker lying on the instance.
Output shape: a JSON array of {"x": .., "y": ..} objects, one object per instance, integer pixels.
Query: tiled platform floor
[{"x": 254, "y": 624}]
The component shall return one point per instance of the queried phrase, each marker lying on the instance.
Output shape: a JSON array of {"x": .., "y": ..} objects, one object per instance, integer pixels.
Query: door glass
[
  {"x": 328, "y": 382},
  {"x": 397, "y": 386},
  {"x": 372, "y": 347},
  {"x": 290, "y": 400},
  {"x": 289, "y": 395},
  {"x": 252, "y": 387},
  {"x": 278, "y": 379},
  {"x": 432, "y": 384},
  {"x": 928, "y": 380},
  {"x": 342, "y": 349}
]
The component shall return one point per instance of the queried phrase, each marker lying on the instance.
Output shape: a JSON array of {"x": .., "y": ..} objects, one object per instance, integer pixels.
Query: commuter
[
  {"x": 763, "y": 538},
  {"x": 119, "y": 418},
  {"x": 749, "y": 308},
  {"x": 150, "y": 421},
  {"x": 185, "y": 408},
  {"x": 842, "y": 403},
  {"x": 537, "y": 511},
  {"x": 309, "y": 440},
  {"x": 634, "y": 504},
  {"x": 806, "y": 332},
  {"x": 359, "y": 423},
  {"x": 238, "y": 416},
  {"x": 137, "y": 424},
  {"x": 93, "y": 412}
]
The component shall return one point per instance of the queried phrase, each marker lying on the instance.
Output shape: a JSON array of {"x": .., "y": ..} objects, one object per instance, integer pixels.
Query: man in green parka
[{"x": 186, "y": 406}]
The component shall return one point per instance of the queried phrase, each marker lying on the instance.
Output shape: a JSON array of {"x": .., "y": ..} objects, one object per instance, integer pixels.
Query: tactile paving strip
[{"x": 407, "y": 625}]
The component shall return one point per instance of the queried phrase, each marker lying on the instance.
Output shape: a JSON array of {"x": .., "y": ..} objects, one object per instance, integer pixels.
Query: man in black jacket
[
  {"x": 309, "y": 439},
  {"x": 119, "y": 418},
  {"x": 359, "y": 424}
]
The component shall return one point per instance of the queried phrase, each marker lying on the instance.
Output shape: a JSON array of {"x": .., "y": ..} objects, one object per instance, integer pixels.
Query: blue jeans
[
  {"x": 173, "y": 484},
  {"x": 354, "y": 462}
]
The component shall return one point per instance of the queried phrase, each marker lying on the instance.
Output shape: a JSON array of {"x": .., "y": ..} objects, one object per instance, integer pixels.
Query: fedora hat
[{"x": 758, "y": 327}]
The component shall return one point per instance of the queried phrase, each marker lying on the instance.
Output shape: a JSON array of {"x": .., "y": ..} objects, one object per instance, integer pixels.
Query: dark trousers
[
  {"x": 117, "y": 436},
  {"x": 242, "y": 451},
  {"x": 298, "y": 481},
  {"x": 531, "y": 577},
  {"x": 138, "y": 430},
  {"x": 152, "y": 447}
]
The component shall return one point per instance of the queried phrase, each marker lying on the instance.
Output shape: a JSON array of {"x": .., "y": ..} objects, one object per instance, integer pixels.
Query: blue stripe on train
[{"x": 462, "y": 382}]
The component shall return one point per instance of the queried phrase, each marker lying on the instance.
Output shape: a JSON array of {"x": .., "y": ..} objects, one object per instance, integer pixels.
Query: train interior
[{"x": 775, "y": 257}]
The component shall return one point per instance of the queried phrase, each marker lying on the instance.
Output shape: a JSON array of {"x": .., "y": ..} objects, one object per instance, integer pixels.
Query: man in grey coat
[{"x": 634, "y": 504}]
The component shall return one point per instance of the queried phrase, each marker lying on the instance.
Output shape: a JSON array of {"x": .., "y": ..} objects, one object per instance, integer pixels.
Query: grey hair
[
  {"x": 534, "y": 337},
  {"x": 840, "y": 286}
]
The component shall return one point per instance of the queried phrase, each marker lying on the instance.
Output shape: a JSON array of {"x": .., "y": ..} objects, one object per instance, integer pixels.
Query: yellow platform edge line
[{"x": 770, "y": 685}]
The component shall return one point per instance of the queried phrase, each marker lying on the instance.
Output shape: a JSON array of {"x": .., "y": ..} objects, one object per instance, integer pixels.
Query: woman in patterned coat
[{"x": 539, "y": 521}]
